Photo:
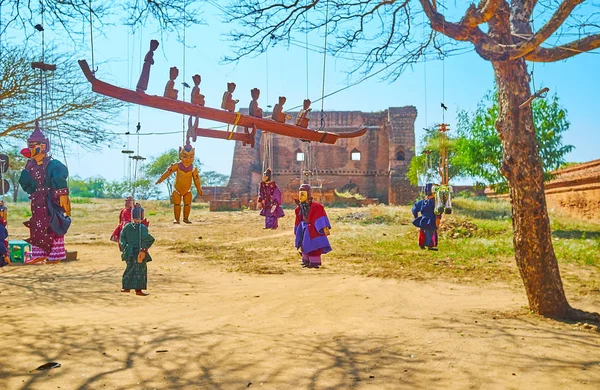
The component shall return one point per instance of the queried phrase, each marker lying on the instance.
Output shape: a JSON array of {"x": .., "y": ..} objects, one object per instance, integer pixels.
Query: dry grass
[{"x": 475, "y": 241}]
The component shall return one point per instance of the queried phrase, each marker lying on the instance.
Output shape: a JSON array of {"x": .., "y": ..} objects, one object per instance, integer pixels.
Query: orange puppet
[{"x": 185, "y": 174}]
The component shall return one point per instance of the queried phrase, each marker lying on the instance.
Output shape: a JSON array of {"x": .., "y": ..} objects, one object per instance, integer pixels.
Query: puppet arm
[
  {"x": 197, "y": 182},
  {"x": 168, "y": 172}
]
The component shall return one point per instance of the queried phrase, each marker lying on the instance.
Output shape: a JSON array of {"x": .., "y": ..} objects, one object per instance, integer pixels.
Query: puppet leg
[
  {"x": 314, "y": 259},
  {"x": 187, "y": 207},
  {"x": 176, "y": 206}
]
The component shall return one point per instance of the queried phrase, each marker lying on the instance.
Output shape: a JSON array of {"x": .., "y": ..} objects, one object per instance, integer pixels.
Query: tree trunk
[{"x": 521, "y": 165}]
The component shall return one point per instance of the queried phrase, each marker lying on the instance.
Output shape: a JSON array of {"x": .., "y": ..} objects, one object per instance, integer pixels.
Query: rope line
[{"x": 92, "y": 38}]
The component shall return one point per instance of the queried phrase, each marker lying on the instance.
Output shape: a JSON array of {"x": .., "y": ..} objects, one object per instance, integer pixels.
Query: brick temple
[{"x": 374, "y": 165}]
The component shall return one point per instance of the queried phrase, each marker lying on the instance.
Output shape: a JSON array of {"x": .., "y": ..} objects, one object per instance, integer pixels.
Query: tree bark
[{"x": 521, "y": 165}]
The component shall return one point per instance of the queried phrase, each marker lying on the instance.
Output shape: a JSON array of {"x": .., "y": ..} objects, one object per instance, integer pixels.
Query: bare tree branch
[
  {"x": 557, "y": 19},
  {"x": 71, "y": 110},
  {"x": 562, "y": 52},
  {"x": 67, "y": 15},
  {"x": 483, "y": 13}
]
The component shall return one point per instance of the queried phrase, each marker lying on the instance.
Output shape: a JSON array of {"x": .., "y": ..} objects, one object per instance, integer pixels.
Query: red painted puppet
[
  {"x": 45, "y": 180},
  {"x": 124, "y": 219},
  {"x": 269, "y": 201},
  {"x": 4, "y": 255},
  {"x": 311, "y": 228}
]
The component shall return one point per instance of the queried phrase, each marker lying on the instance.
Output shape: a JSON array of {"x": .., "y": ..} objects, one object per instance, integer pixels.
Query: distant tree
[
  {"x": 479, "y": 149},
  {"x": 79, "y": 187},
  {"x": 117, "y": 189},
  {"x": 426, "y": 167},
  {"x": 213, "y": 179},
  {"x": 159, "y": 164},
  {"x": 145, "y": 189},
  {"x": 16, "y": 164}
]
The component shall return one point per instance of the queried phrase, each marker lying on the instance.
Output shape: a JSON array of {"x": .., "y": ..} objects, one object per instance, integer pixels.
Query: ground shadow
[{"x": 576, "y": 234}]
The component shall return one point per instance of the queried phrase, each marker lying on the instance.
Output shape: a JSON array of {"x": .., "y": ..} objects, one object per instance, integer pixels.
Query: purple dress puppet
[
  {"x": 269, "y": 200},
  {"x": 311, "y": 229},
  {"x": 4, "y": 256},
  {"x": 45, "y": 180},
  {"x": 427, "y": 222}
]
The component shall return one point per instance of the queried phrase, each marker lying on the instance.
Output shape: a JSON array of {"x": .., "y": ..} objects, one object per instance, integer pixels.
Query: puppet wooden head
[
  {"x": 267, "y": 175},
  {"x": 230, "y": 87},
  {"x": 173, "y": 73},
  {"x": 153, "y": 44},
  {"x": 186, "y": 155},
  {"x": 255, "y": 93},
  {"x": 304, "y": 193},
  {"x": 38, "y": 145},
  {"x": 196, "y": 79},
  {"x": 129, "y": 202}
]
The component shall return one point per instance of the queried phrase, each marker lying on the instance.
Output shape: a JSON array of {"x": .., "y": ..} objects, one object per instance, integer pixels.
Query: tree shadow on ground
[
  {"x": 524, "y": 344},
  {"x": 501, "y": 213},
  {"x": 125, "y": 356},
  {"x": 128, "y": 357},
  {"x": 576, "y": 234}
]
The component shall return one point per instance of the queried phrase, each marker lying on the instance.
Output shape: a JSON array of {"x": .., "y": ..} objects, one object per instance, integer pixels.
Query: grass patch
[{"x": 476, "y": 241}]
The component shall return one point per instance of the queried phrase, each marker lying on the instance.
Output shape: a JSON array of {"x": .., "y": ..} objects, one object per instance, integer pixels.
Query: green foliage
[
  {"x": 476, "y": 151},
  {"x": 426, "y": 167},
  {"x": 16, "y": 163},
  {"x": 159, "y": 164},
  {"x": 479, "y": 150},
  {"x": 349, "y": 195},
  {"x": 145, "y": 189},
  {"x": 214, "y": 179}
]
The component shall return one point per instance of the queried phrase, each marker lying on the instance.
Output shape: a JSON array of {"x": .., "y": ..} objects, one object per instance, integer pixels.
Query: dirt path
[{"x": 312, "y": 330}]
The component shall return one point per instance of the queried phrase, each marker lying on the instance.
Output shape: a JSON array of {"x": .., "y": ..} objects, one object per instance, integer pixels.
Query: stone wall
[{"x": 379, "y": 173}]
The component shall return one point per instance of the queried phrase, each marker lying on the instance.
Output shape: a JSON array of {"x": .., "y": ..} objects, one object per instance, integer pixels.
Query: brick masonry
[{"x": 380, "y": 173}]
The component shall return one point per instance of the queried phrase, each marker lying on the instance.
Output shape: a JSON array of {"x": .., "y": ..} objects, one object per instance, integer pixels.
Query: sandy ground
[{"x": 203, "y": 327}]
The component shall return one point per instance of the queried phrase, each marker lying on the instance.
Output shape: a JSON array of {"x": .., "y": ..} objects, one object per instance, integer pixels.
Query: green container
[{"x": 17, "y": 251}]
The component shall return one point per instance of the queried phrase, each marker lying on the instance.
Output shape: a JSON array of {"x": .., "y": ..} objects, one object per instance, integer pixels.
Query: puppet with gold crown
[
  {"x": 182, "y": 190},
  {"x": 45, "y": 180}
]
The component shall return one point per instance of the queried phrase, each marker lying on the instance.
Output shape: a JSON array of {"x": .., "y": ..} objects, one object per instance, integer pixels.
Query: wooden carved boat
[{"x": 213, "y": 114}]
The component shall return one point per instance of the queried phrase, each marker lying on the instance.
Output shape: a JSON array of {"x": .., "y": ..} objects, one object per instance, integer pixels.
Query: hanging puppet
[
  {"x": 134, "y": 243},
  {"x": 269, "y": 201},
  {"x": 428, "y": 221},
  {"x": 45, "y": 180},
  {"x": 124, "y": 219},
  {"x": 182, "y": 189},
  {"x": 3, "y": 214},
  {"x": 4, "y": 254},
  {"x": 311, "y": 228},
  {"x": 144, "y": 222}
]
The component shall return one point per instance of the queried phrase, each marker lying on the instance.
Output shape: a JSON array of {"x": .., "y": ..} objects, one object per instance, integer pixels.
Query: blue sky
[{"x": 462, "y": 79}]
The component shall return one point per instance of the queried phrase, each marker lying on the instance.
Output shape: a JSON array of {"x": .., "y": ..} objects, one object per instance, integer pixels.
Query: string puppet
[
  {"x": 134, "y": 243},
  {"x": 311, "y": 228},
  {"x": 124, "y": 219},
  {"x": 4, "y": 254},
  {"x": 45, "y": 180},
  {"x": 269, "y": 201},
  {"x": 428, "y": 221},
  {"x": 182, "y": 189}
]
